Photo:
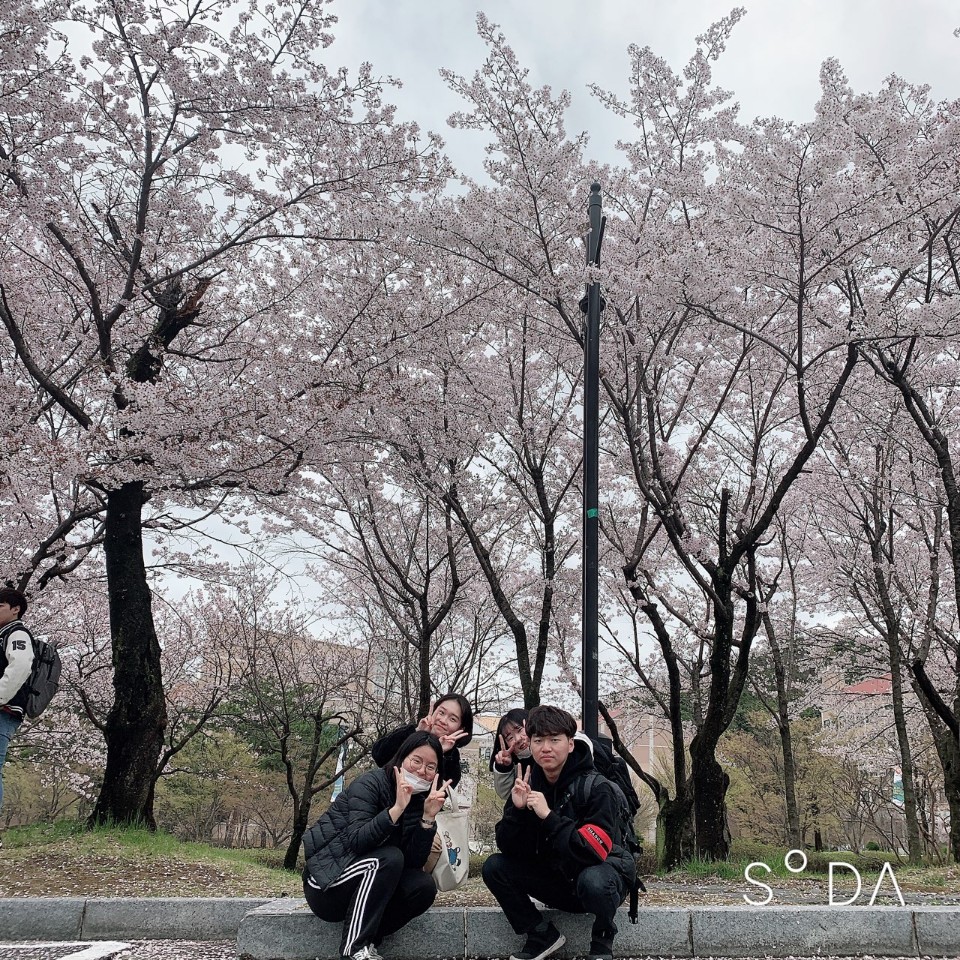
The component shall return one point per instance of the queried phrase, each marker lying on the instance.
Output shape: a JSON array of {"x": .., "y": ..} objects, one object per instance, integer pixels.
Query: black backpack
[
  {"x": 615, "y": 769},
  {"x": 579, "y": 793},
  {"x": 44, "y": 679}
]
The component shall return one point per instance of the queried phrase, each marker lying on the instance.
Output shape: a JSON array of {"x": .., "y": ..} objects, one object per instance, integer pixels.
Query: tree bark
[
  {"x": 301, "y": 819},
  {"x": 789, "y": 764},
  {"x": 676, "y": 840},
  {"x": 708, "y": 778},
  {"x": 949, "y": 754},
  {"x": 136, "y": 722},
  {"x": 914, "y": 845},
  {"x": 782, "y": 718},
  {"x": 948, "y": 750}
]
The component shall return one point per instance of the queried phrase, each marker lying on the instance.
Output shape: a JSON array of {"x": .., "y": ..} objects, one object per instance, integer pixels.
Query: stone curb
[
  {"x": 123, "y": 918},
  {"x": 286, "y": 930}
]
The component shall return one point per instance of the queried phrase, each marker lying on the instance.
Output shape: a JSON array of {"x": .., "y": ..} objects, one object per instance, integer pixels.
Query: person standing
[
  {"x": 559, "y": 842},
  {"x": 16, "y": 662}
]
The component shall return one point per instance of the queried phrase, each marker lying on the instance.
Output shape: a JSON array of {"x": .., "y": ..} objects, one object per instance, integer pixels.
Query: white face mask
[
  {"x": 523, "y": 754},
  {"x": 419, "y": 785}
]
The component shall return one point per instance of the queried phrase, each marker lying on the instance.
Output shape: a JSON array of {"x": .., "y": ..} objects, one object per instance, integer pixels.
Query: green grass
[
  {"x": 125, "y": 861},
  {"x": 137, "y": 842},
  {"x": 696, "y": 869},
  {"x": 868, "y": 863},
  {"x": 109, "y": 861}
]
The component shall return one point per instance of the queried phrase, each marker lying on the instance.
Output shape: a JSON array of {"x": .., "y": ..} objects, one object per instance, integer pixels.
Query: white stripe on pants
[{"x": 367, "y": 870}]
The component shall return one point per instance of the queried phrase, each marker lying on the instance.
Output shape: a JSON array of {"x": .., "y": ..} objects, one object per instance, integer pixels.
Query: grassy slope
[{"x": 63, "y": 859}]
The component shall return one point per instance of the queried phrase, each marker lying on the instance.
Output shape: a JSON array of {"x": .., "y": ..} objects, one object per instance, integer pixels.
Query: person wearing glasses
[{"x": 365, "y": 856}]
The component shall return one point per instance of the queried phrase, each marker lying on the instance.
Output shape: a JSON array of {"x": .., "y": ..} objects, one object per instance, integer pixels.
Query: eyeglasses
[{"x": 417, "y": 764}]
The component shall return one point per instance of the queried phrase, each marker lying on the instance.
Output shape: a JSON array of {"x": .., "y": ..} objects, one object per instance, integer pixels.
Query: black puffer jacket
[
  {"x": 358, "y": 822},
  {"x": 385, "y": 749},
  {"x": 556, "y": 840}
]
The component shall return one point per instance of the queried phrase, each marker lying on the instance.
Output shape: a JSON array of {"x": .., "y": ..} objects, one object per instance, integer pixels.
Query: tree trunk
[
  {"x": 710, "y": 783},
  {"x": 708, "y": 778},
  {"x": 676, "y": 841},
  {"x": 301, "y": 820},
  {"x": 424, "y": 687},
  {"x": 914, "y": 845},
  {"x": 949, "y": 754},
  {"x": 790, "y": 784},
  {"x": 136, "y": 722},
  {"x": 794, "y": 839}
]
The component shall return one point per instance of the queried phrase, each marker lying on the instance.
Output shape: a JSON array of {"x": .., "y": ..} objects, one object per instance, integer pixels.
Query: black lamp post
[{"x": 591, "y": 306}]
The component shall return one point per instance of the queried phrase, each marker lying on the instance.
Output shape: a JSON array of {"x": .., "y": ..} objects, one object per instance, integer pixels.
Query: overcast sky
[{"x": 771, "y": 63}]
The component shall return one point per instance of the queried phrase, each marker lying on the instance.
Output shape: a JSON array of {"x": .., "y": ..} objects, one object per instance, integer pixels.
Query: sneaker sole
[{"x": 556, "y": 945}]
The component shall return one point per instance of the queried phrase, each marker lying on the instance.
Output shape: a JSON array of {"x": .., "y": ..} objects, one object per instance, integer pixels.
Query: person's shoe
[
  {"x": 601, "y": 946},
  {"x": 540, "y": 943},
  {"x": 364, "y": 953}
]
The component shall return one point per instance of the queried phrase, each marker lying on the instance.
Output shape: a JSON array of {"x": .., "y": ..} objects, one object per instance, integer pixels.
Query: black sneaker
[
  {"x": 601, "y": 946},
  {"x": 540, "y": 945}
]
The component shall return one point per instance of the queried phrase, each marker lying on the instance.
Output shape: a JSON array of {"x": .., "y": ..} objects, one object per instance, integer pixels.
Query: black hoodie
[{"x": 556, "y": 839}]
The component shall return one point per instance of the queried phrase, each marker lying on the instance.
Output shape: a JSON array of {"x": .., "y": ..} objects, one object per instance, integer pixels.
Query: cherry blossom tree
[
  {"x": 882, "y": 518},
  {"x": 404, "y": 549},
  {"x": 175, "y": 203},
  {"x": 734, "y": 263}
]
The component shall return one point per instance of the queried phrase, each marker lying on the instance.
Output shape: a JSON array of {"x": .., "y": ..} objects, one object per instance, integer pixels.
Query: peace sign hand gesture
[
  {"x": 427, "y": 722},
  {"x": 435, "y": 798},
  {"x": 521, "y": 790},
  {"x": 449, "y": 740},
  {"x": 404, "y": 793},
  {"x": 503, "y": 757}
]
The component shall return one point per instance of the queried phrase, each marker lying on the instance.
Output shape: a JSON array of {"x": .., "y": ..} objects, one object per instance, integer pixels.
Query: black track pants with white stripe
[{"x": 374, "y": 897}]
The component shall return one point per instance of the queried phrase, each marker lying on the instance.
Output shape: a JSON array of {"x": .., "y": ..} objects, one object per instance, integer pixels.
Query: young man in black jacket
[{"x": 568, "y": 858}]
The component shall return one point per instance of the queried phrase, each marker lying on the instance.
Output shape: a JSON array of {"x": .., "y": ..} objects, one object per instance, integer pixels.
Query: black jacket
[
  {"x": 386, "y": 747},
  {"x": 555, "y": 840},
  {"x": 358, "y": 822}
]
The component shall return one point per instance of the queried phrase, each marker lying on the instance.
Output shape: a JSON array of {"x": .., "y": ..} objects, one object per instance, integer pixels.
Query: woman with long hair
[{"x": 450, "y": 720}]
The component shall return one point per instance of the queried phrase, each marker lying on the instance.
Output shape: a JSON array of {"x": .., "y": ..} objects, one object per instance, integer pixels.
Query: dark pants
[
  {"x": 374, "y": 897},
  {"x": 513, "y": 881}
]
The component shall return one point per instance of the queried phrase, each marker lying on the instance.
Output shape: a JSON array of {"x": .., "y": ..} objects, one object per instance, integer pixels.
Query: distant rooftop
[{"x": 870, "y": 687}]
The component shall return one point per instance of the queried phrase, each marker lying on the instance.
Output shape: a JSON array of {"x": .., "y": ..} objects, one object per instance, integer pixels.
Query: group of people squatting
[{"x": 369, "y": 857}]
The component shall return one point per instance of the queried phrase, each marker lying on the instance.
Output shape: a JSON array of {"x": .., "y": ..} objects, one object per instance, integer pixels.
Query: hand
[
  {"x": 435, "y": 798},
  {"x": 537, "y": 802},
  {"x": 449, "y": 740},
  {"x": 427, "y": 722},
  {"x": 521, "y": 790},
  {"x": 404, "y": 793},
  {"x": 503, "y": 757}
]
